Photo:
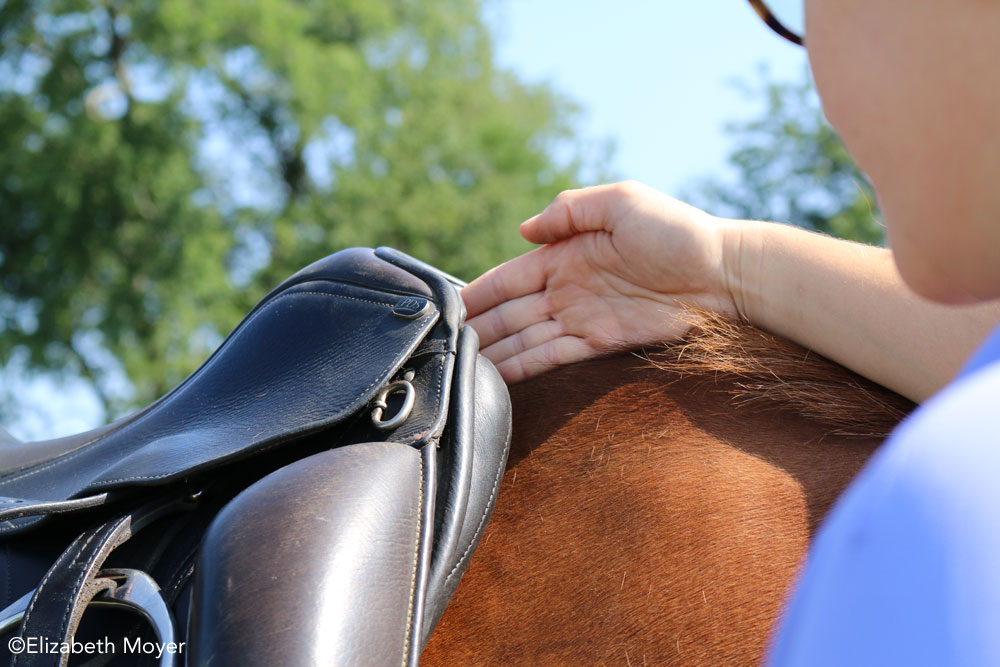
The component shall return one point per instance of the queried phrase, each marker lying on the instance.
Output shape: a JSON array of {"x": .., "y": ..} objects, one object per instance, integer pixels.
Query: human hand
[{"x": 620, "y": 263}]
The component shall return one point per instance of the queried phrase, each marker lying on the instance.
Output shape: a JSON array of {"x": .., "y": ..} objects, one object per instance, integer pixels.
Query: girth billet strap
[{"x": 75, "y": 579}]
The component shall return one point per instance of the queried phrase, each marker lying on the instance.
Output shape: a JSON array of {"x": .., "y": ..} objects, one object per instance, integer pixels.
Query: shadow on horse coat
[{"x": 656, "y": 513}]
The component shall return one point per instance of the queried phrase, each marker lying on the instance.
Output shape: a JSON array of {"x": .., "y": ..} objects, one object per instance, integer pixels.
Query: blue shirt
[{"x": 906, "y": 568}]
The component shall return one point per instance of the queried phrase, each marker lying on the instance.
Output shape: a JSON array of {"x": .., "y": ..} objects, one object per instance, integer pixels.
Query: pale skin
[{"x": 619, "y": 262}]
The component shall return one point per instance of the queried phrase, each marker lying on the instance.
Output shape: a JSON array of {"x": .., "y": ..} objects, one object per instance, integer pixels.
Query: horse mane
[{"x": 762, "y": 371}]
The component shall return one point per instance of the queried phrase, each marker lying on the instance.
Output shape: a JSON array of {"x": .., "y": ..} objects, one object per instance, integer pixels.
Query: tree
[
  {"x": 164, "y": 164},
  {"x": 790, "y": 166}
]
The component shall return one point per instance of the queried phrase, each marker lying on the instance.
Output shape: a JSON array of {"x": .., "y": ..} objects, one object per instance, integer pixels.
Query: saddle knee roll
[{"x": 314, "y": 564}]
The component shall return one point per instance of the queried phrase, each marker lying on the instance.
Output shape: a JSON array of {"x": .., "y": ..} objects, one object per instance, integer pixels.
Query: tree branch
[{"x": 91, "y": 374}]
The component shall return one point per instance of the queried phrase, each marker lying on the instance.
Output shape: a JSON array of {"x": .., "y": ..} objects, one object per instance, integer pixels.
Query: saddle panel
[
  {"x": 480, "y": 423},
  {"x": 278, "y": 576}
]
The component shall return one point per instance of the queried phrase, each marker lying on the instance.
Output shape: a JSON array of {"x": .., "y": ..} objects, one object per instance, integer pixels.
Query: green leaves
[
  {"x": 790, "y": 166},
  {"x": 165, "y": 163}
]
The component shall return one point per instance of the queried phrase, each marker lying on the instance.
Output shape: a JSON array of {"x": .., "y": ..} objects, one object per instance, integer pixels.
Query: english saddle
[{"x": 310, "y": 495}]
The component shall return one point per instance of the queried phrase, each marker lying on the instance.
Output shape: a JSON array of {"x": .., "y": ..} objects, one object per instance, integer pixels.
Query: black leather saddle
[{"x": 310, "y": 495}]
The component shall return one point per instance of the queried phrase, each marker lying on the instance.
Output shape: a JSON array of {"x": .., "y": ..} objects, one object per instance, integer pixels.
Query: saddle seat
[{"x": 365, "y": 438}]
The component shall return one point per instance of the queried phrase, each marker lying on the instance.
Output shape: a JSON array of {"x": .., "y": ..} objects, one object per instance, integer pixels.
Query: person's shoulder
[
  {"x": 951, "y": 443},
  {"x": 903, "y": 571},
  {"x": 968, "y": 410}
]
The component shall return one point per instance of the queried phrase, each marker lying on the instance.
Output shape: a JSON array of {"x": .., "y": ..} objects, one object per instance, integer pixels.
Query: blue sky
[{"x": 655, "y": 77}]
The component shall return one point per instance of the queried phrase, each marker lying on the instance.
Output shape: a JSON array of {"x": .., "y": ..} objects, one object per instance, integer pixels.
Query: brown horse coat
[{"x": 656, "y": 513}]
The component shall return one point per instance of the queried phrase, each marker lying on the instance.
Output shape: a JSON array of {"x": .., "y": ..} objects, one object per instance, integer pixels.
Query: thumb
[{"x": 571, "y": 213}]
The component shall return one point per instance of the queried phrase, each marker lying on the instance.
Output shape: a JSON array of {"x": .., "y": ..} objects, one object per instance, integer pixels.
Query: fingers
[
  {"x": 520, "y": 276},
  {"x": 576, "y": 211},
  {"x": 524, "y": 342},
  {"x": 509, "y": 318},
  {"x": 533, "y": 336},
  {"x": 572, "y": 212},
  {"x": 535, "y": 361}
]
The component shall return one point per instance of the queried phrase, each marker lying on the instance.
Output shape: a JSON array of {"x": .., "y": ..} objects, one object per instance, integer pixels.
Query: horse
[
  {"x": 592, "y": 556},
  {"x": 657, "y": 505}
]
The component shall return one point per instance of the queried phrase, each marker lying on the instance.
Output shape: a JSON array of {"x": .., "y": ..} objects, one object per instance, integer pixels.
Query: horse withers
[{"x": 656, "y": 507}]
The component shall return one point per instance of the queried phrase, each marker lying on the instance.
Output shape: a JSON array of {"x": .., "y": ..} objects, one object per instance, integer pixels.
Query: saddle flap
[
  {"x": 311, "y": 354},
  {"x": 325, "y": 554}
]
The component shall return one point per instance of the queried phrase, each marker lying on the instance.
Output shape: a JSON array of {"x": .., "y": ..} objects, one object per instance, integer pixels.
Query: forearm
[{"x": 846, "y": 301}]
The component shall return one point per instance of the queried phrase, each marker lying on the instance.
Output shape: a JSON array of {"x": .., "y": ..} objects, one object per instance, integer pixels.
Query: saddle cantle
[{"x": 340, "y": 453}]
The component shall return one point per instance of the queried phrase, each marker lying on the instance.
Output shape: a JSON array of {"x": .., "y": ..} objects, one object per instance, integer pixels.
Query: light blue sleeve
[{"x": 906, "y": 569}]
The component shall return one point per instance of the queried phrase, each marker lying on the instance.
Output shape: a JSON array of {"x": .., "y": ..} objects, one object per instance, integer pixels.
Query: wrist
[{"x": 742, "y": 265}]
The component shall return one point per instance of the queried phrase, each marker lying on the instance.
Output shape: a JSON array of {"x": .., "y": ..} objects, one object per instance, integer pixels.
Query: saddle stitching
[
  {"x": 52, "y": 570},
  {"x": 182, "y": 574},
  {"x": 81, "y": 449},
  {"x": 482, "y": 521},
  {"x": 78, "y": 582},
  {"x": 6, "y": 569},
  {"x": 416, "y": 563}
]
